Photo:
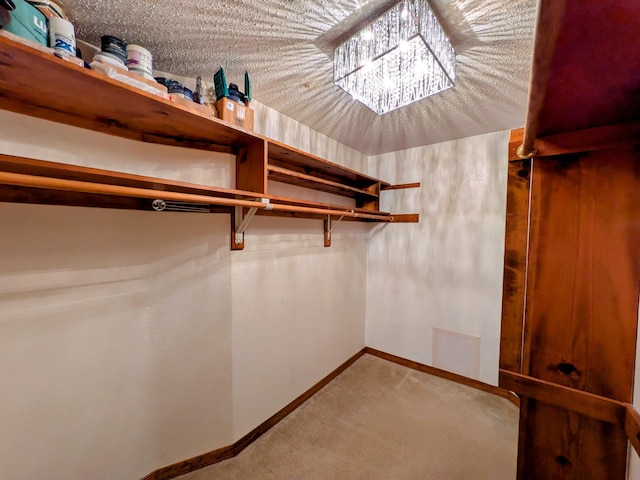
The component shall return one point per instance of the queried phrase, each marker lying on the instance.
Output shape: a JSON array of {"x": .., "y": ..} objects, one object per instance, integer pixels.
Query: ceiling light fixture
[{"x": 405, "y": 48}]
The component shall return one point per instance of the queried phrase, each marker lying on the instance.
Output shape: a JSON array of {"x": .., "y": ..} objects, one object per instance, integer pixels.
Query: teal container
[{"x": 26, "y": 21}]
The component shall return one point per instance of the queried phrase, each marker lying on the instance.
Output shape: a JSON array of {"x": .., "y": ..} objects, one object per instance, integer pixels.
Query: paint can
[
  {"x": 139, "y": 59},
  {"x": 163, "y": 81},
  {"x": 188, "y": 94},
  {"x": 115, "y": 47},
  {"x": 109, "y": 60},
  {"x": 176, "y": 90},
  {"x": 62, "y": 36}
]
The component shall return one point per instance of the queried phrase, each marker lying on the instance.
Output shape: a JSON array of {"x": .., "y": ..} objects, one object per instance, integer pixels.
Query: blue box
[{"x": 26, "y": 21}]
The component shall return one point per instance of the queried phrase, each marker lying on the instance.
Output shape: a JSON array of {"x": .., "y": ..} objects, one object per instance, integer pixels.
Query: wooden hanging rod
[
  {"x": 34, "y": 181},
  {"x": 550, "y": 16}
]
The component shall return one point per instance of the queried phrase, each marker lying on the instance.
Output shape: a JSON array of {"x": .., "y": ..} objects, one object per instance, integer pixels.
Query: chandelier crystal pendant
[{"x": 400, "y": 58}]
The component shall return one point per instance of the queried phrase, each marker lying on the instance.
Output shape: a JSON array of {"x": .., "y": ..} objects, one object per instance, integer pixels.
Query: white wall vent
[{"x": 456, "y": 352}]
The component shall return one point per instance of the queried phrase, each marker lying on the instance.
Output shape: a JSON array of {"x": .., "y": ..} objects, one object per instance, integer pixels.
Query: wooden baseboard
[
  {"x": 230, "y": 451},
  {"x": 224, "y": 453},
  {"x": 454, "y": 377}
]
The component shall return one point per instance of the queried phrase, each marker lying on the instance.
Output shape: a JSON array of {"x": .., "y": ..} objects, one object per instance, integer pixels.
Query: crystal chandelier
[{"x": 400, "y": 58}]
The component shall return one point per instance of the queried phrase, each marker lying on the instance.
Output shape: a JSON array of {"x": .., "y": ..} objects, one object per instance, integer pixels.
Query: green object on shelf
[
  {"x": 222, "y": 88},
  {"x": 220, "y": 83}
]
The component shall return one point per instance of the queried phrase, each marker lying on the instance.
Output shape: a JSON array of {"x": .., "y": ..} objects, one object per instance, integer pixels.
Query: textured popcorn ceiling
[{"x": 286, "y": 46}]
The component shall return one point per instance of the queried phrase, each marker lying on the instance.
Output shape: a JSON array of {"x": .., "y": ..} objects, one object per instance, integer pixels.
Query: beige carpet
[{"x": 379, "y": 420}]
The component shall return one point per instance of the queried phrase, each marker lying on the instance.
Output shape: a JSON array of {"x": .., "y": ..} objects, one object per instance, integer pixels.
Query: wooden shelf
[
  {"x": 591, "y": 86},
  {"x": 308, "y": 181},
  {"x": 38, "y": 84},
  {"x": 284, "y": 156},
  {"x": 29, "y": 185},
  {"x": 41, "y": 85}
]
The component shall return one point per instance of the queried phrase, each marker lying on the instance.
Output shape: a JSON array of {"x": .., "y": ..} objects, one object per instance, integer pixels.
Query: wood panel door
[{"x": 570, "y": 307}]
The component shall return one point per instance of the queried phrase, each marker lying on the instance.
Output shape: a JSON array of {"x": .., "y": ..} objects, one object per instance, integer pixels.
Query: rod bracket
[
  {"x": 328, "y": 228},
  {"x": 526, "y": 156},
  {"x": 243, "y": 221}
]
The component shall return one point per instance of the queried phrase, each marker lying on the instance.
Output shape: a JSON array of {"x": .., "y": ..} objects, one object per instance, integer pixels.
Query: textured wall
[
  {"x": 287, "y": 47},
  {"x": 446, "y": 271},
  {"x": 133, "y": 340},
  {"x": 298, "y": 308},
  {"x": 298, "y": 313}
]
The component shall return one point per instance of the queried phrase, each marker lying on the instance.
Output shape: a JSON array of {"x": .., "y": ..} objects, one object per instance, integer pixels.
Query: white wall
[
  {"x": 132, "y": 340},
  {"x": 446, "y": 271}
]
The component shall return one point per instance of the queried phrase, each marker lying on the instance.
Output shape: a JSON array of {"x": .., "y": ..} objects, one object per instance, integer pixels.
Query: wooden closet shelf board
[
  {"x": 86, "y": 99},
  {"x": 288, "y": 157},
  {"x": 596, "y": 138},
  {"x": 596, "y": 83},
  {"x": 284, "y": 175}
]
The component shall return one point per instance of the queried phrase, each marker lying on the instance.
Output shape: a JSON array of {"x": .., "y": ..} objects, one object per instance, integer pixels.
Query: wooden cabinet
[
  {"x": 572, "y": 252},
  {"x": 36, "y": 83}
]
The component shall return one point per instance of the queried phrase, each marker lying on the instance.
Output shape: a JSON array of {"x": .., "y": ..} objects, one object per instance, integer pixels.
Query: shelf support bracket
[
  {"x": 328, "y": 228},
  {"x": 241, "y": 221}
]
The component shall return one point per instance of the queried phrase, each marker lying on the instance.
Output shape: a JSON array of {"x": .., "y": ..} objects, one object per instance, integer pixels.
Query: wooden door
[{"x": 570, "y": 309}]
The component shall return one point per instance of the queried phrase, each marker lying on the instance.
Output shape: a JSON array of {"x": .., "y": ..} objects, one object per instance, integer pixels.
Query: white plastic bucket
[
  {"x": 139, "y": 58},
  {"x": 62, "y": 36}
]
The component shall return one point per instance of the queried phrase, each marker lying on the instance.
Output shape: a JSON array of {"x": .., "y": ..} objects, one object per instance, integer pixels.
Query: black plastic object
[
  {"x": 114, "y": 46},
  {"x": 8, "y": 4},
  {"x": 235, "y": 94},
  {"x": 248, "y": 87}
]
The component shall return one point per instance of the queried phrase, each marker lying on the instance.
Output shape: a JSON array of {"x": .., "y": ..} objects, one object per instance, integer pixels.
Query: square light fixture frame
[{"x": 399, "y": 58}]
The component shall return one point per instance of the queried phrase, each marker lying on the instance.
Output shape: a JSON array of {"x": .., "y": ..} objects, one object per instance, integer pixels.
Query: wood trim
[
  {"x": 632, "y": 427},
  {"x": 402, "y": 186},
  {"x": 224, "y": 453},
  {"x": 251, "y": 164},
  {"x": 584, "y": 403},
  {"x": 406, "y": 218},
  {"x": 327, "y": 233},
  {"x": 597, "y": 138},
  {"x": 514, "y": 283},
  {"x": 454, "y": 377}
]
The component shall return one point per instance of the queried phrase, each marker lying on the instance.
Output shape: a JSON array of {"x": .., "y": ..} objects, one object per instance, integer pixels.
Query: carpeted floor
[{"x": 379, "y": 420}]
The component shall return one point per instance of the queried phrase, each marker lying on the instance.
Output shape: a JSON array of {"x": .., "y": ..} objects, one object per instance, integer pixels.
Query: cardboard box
[
  {"x": 235, "y": 113},
  {"x": 194, "y": 107}
]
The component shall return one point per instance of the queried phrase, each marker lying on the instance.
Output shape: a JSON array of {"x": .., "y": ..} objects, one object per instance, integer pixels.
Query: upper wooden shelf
[
  {"x": 592, "y": 68},
  {"x": 41, "y": 85},
  {"x": 585, "y": 76},
  {"x": 281, "y": 155}
]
